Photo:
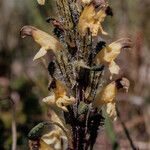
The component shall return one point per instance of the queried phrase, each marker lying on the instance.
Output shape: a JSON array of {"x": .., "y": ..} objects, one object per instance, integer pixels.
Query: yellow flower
[
  {"x": 59, "y": 97},
  {"x": 54, "y": 139},
  {"x": 107, "y": 96},
  {"x": 41, "y": 2},
  {"x": 109, "y": 53},
  {"x": 46, "y": 41},
  {"x": 109, "y": 92},
  {"x": 92, "y": 19}
]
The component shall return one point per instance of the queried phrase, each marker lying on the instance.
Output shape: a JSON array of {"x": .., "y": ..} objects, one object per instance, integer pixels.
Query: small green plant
[{"x": 77, "y": 59}]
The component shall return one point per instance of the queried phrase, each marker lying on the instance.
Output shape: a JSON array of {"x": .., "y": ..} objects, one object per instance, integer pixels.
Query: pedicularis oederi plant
[{"x": 77, "y": 59}]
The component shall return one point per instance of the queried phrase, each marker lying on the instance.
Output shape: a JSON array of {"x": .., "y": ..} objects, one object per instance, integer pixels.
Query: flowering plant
[{"x": 77, "y": 67}]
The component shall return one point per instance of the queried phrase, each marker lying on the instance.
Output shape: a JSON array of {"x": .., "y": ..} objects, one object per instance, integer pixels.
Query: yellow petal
[
  {"x": 106, "y": 95},
  {"x": 40, "y": 54},
  {"x": 49, "y": 100},
  {"x": 102, "y": 31},
  {"x": 41, "y": 2},
  {"x": 111, "y": 111},
  {"x": 114, "y": 68}
]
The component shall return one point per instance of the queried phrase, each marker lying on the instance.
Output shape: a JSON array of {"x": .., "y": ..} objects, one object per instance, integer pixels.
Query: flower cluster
[{"x": 77, "y": 67}]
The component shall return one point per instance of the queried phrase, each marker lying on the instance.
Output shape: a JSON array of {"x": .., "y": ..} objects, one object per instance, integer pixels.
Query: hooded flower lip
[
  {"x": 59, "y": 96},
  {"x": 26, "y": 31},
  {"x": 91, "y": 18},
  {"x": 46, "y": 41},
  {"x": 109, "y": 53},
  {"x": 41, "y": 2}
]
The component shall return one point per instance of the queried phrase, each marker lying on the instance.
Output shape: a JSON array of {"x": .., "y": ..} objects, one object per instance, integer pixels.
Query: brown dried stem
[{"x": 126, "y": 131}]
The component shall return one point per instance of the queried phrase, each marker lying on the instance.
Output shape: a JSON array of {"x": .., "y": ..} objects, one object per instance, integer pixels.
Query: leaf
[{"x": 37, "y": 132}]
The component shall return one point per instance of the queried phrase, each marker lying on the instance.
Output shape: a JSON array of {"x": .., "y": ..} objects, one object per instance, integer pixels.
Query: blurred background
[{"x": 23, "y": 83}]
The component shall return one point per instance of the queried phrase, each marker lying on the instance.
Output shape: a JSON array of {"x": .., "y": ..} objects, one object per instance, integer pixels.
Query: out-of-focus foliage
[{"x": 21, "y": 78}]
